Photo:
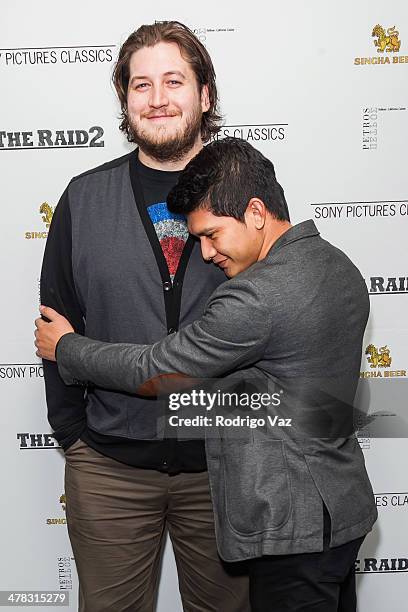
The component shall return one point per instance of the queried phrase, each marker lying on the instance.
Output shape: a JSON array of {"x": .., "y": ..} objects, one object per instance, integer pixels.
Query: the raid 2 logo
[
  {"x": 385, "y": 40},
  {"x": 52, "y": 139},
  {"x": 387, "y": 285},
  {"x": 381, "y": 566},
  {"x": 36, "y": 441}
]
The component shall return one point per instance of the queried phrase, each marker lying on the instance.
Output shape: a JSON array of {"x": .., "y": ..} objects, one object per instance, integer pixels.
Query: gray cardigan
[
  {"x": 294, "y": 320},
  {"x": 104, "y": 269}
]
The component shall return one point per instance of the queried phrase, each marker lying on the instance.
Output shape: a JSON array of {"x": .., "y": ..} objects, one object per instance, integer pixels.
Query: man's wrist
[{"x": 59, "y": 342}]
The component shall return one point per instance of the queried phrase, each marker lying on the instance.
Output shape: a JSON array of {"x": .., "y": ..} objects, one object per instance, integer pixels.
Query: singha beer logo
[
  {"x": 63, "y": 501},
  {"x": 46, "y": 212},
  {"x": 60, "y": 520},
  {"x": 386, "y": 42},
  {"x": 378, "y": 358}
]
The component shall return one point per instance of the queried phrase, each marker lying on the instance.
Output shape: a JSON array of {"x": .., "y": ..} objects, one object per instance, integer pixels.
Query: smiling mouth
[
  {"x": 160, "y": 117},
  {"x": 222, "y": 263}
]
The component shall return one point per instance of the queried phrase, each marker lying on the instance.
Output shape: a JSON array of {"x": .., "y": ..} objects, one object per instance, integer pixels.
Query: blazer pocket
[{"x": 256, "y": 486}]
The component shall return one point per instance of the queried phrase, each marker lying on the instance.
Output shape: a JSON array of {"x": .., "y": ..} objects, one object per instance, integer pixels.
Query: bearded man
[{"x": 122, "y": 268}]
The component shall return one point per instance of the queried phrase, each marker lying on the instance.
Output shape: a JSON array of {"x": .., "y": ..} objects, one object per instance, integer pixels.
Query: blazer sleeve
[
  {"x": 66, "y": 405},
  {"x": 232, "y": 333}
]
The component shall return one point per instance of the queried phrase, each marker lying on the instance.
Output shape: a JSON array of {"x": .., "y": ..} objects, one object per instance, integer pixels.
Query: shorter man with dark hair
[
  {"x": 123, "y": 268},
  {"x": 293, "y": 313}
]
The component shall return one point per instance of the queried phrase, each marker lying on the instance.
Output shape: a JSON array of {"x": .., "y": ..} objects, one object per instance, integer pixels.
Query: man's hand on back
[{"x": 48, "y": 334}]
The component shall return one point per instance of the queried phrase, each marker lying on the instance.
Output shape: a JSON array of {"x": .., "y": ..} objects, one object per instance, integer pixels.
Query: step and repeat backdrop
[{"x": 322, "y": 90}]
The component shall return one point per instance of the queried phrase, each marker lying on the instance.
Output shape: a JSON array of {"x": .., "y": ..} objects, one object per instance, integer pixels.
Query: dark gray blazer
[{"x": 295, "y": 320}]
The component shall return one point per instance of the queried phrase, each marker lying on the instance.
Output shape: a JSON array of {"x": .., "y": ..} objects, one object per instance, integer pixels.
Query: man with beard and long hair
[{"x": 123, "y": 268}]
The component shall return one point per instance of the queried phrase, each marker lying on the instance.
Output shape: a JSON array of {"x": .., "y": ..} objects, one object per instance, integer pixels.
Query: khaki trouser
[{"x": 117, "y": 516}]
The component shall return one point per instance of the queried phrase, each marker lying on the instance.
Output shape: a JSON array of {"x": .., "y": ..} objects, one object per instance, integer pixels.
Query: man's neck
[
  {"x": 276, "y": 229},
  {"x": 170, "y": 166}
]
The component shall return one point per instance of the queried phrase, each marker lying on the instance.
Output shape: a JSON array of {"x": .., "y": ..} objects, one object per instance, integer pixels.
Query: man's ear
[
  {"x": 256, "y": 210},
  {"x": 205, "y": 98}
]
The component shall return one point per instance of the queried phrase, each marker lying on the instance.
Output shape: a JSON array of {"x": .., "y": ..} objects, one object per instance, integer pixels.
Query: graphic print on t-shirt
[{"x": 172, "y": 232}]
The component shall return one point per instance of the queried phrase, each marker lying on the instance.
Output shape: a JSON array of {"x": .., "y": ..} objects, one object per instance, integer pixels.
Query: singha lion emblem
[
  {"x": 47, "y": 211},
  {"x": 63, "y": 501},
  {"x": 386, "y": 43},
  {"x": 378, "y": 358}
]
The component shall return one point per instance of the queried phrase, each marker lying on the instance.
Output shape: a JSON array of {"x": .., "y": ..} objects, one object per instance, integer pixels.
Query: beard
[{"x": 166, "y": 147}]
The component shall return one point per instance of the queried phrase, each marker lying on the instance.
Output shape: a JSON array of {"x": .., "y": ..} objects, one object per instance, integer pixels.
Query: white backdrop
[{"x": 302, "y": 82}]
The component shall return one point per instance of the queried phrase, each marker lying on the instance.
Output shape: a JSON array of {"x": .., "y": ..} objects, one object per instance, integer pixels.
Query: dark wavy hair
[
  {"x": 192, "y": 50},
  {"x": 223, "y": 177}
]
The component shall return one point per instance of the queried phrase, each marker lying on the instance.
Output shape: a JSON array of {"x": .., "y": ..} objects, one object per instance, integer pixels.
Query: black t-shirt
[{"x": 168, "y": 455}]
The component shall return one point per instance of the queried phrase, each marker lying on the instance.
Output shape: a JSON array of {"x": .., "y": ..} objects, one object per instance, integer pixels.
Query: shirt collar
[{"x": 306, "y": 229}]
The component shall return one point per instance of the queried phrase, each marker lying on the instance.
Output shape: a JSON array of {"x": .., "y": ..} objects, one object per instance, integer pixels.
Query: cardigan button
[{"x": 167, "y": 286}]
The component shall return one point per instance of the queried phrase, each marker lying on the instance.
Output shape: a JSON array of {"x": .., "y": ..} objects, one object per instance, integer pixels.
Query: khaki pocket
[
  {"x": 77, "y": 444},
  {"x": 256, "y": 485}
]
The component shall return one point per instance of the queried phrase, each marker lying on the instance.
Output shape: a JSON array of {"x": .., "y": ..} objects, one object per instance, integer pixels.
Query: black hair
[{"x": 223, "y": 177}]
